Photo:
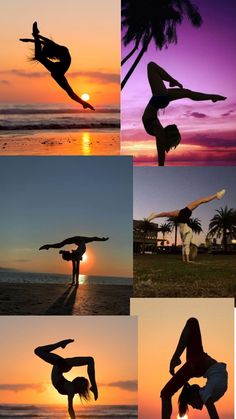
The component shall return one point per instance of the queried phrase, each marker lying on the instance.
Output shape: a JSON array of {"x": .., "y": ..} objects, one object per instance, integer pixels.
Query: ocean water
[
  {"x": 10, "y": 411},
  {"x": 48, "y": 278},
  {"x": 16, "y": 117}
]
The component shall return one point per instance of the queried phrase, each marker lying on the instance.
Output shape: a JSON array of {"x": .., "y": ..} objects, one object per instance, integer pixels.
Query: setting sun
[
  {"x": 183, "y": 417},
  {"x": 85, "y": 96},
  {"x": 85, "y": 257}
]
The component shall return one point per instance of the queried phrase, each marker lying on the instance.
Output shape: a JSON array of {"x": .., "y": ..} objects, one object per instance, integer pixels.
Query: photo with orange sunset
[
  {"x": 204, "y": 329},
  {"x": 103, "y": 350},
  {"x": 66, "y": 235},
  {"x": 59, "y": 77}
]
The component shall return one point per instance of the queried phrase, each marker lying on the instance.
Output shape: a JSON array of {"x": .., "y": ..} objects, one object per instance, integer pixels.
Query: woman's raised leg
[
  {"x": 175, "y": 94},
  {"x": 156, "y": 75},
  {"x": 45, "y": 352},
  {"x": 218, "y": 195}
]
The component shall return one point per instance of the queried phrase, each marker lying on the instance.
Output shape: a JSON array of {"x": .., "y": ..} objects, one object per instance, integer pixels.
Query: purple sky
[{"x": 203, "y": 60}]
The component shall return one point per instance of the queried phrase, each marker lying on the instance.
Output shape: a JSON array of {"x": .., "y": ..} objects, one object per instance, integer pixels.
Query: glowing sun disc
[
  {"x": 183, "y": 417},
  {"x": 85, "y": 257},
  {"x": 85, "y": 96}
]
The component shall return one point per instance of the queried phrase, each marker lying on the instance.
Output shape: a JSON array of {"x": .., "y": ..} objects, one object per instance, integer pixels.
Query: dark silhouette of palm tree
[
  {"x": 223, "y": 224},
  {"x": 195, "y": 225},
  {"x": 173, "y": 226},
  {"x": 146, "y": 227},
  {"x": 157, "y": 20},
  {"x": 164, "y": 229}
]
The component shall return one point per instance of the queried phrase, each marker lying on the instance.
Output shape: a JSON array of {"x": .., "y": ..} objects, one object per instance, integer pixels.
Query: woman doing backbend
[
  {"x": 182, "y": 218},
  {"x": 198, "y": 364},
  {"x": 46, "y": 52},
  {"x": 168, "y": 137},
  {"x": 80, "y": 385}
]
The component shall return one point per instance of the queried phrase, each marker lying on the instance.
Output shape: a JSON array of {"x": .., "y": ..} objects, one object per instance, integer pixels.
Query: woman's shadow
[{"x": 64, "y": 305}]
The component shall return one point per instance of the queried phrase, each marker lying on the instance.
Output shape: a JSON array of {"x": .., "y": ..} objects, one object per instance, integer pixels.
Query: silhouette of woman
[
  {"x": 75, "y": 257},
  {"x": 168, "y": 137},
  {"x": 182, "y": 218},
  {"x": 80, "y": 385},
  {"x": 56, "y": 59},
  {"x": 198, "y": 364}
]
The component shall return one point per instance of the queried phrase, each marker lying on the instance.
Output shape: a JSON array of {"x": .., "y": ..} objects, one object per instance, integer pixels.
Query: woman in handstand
[
  {"x": 80, "y": 385},
  {"x": 198, "y": 364},
  {"x": 75, "y": 257},
  {"x": 46, "y": 52},
  {"x": 169, "y": 136},
  {"x": 182, "y": 218}
]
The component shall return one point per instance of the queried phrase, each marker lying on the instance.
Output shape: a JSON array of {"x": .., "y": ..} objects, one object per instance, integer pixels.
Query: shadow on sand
[{"x": 65, "y": 303}]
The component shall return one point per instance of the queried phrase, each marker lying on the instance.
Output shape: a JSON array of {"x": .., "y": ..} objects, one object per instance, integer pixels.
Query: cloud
[
  {"x": 131, "y": 385},
  {"x": 39, "y": 388},
  {"x": 198, "y": 115},
  {"x": 4, "y": 82},
  {"x": 99, "y": 76},
  {"x": 23, "y": 260},
  {"x": 228, "y": 113}
]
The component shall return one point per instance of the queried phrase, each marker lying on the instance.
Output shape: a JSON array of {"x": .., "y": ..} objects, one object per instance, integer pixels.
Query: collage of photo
[{"x": 118, "y": 209}]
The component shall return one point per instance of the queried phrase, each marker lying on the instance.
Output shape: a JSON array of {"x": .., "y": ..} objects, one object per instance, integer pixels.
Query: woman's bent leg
[{"x": 45, "y": 352}]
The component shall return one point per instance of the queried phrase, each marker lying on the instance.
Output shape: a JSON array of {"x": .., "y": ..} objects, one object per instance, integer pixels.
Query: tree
[
  {"x": 195, "y": 225},
  {"x": 164, "y": 228},
  {"x": 146, "y": 227},
  {"x": 223, "y": 224},
  {"x": 157, "y": 20},
  {"x": 172, "y": 221}
]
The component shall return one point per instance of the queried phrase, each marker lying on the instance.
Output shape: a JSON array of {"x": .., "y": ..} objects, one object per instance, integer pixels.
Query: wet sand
[
  {"x": 61, "y": 299},
  {"x": 82, "y": 143}
]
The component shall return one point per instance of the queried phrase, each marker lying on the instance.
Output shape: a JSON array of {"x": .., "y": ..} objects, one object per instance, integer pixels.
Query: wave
[
  {"x": 33, "y": 111},
  {"x": 61, "y": 125}
]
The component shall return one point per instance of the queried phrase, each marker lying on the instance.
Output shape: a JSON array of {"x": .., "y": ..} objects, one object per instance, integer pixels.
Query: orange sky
[
  {"x": 91, "y": 31},
  {"x": 160, "y": 324},
  {"x": 111, "y": 340}
]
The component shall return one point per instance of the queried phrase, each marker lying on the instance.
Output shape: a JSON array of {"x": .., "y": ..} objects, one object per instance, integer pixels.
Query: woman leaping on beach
[
  {"x": 198, "y": 364},
  {"x": 182, "y": 217},
  {"x": 76, "y": 255},
  {"x": 56, "y": 59},
  {"x": 169, "y": 136},
  {"x": 80, "y": 385}
]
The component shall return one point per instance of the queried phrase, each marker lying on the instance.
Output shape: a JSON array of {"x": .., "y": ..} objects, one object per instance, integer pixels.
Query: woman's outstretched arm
[
  {"x": 63, "y": 83},
  {"x": 89, "y": 361},
  {"x": 211, "y": 409},
  {"x": 70, "y": 406}
]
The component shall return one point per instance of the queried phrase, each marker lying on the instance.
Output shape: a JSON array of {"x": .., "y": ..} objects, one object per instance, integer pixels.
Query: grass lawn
[{"x": 168, "y": 276}]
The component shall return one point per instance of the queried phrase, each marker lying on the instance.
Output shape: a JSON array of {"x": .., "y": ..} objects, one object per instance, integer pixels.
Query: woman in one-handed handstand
[
  {"x": 168, "y": 137},
  {"x": 45, "y": 52},
  {"x": 76, "y": 255},
  {"x": 198, "y": 364},
  {"x": 182, "y": 218},
  {"x": 80, "y": 385}
]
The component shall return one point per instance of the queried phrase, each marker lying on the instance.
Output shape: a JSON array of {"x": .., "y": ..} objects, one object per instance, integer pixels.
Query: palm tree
[
  {"x": 157, "y": 20},
  {"x": 195, "y": 225},
  {"x": 164, "y": 228},
  {"x": 173, "y": 226},
  {"x": 146, "y": 227},
  {"x": 223, "y": 224}
]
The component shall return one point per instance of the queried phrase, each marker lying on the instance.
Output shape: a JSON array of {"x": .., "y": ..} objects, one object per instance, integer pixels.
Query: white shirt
[{"x": 216, "y": 385}]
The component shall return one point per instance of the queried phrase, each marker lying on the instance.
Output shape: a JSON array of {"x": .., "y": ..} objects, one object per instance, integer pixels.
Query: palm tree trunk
[
  {"x": 225, "y": 244},
  {"x": 175, "y": 235},
  {"x": 129, "y": 55},
  {"x": 134, "y": 65}
]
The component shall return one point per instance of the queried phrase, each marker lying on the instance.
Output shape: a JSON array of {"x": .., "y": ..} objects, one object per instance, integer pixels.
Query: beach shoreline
[
  {"x": 60, "y": 142},
  {"x": 64, "y": 299}
]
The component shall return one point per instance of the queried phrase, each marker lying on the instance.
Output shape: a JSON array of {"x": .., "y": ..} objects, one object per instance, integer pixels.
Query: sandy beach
[
  {"x": 78, "y": 142},
  {"x": 62, "y": 299}
]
